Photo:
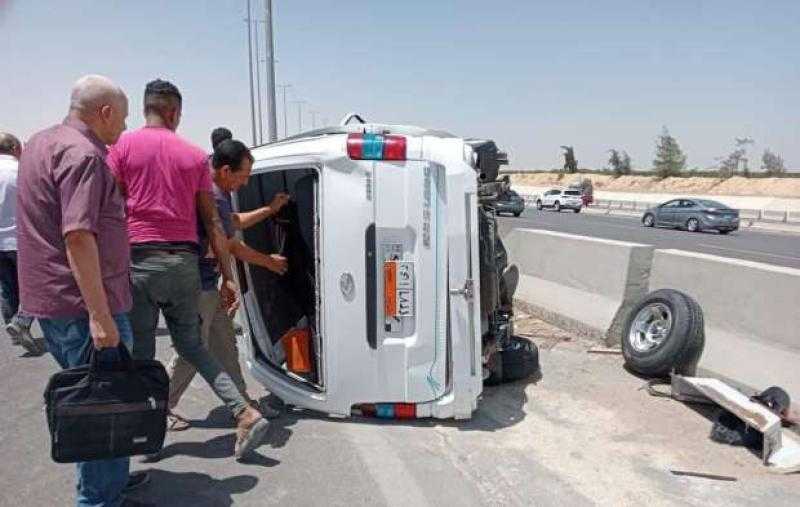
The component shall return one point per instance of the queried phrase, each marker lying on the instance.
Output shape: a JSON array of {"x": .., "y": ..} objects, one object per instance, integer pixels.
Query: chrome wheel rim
[
  {"x": 692, "y": 225},
  {"x": 648, "y": 220},
  {"x": 650, "y": 327}
]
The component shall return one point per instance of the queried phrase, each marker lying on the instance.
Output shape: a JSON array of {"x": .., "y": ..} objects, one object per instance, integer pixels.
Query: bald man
[
  {"x": 18, "y": 326},
  {"x": 73, "y": 249}
]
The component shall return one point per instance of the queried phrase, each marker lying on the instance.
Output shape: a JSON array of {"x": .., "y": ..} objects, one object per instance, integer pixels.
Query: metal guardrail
[{"x": 758, "y": 215}]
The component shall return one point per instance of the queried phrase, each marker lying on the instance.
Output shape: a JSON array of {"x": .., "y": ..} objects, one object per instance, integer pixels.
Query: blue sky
[{"x": 530, "y": 74}]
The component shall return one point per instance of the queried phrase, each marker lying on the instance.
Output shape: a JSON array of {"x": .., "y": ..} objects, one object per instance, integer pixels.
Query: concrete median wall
[
  {"x": 582, "y": 284},
  {"x": 751, "y": 314}
]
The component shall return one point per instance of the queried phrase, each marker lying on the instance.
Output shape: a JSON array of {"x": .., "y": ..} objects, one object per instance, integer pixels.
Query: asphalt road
[
  {"x": 584, "y": 434},
  {"x": 777, "y": 248}
]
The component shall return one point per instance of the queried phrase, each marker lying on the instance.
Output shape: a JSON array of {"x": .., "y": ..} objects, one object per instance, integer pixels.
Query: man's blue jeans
[
  {"x": 100, "y": 482},
  {"x": 9, "y": 291}
]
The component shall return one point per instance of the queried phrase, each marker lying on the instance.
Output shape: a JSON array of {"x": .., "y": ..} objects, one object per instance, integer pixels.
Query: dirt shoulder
[{"x": 737, "y": 186}]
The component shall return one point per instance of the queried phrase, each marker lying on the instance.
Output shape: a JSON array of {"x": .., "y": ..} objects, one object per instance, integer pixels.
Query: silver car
[{"x": 694, "y": 215}]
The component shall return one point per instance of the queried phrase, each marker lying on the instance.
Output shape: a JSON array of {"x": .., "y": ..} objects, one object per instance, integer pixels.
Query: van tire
[
  {"x": 520, "y": 359},
  {"x": 680, "y": 348}
]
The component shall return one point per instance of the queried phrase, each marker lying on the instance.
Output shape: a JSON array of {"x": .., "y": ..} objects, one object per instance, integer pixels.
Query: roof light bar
[{"x": 376, "y": 147}]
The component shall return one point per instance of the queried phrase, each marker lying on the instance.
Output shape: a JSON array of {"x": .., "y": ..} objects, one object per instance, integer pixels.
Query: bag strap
[{"x": 124, "y": 358}]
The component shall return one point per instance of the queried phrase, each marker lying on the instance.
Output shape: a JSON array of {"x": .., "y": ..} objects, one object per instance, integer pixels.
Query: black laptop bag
[{"x": 104, "y": 410}]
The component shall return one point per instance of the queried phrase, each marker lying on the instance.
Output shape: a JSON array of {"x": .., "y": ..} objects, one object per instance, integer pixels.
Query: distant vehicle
[
  {"x": 694, "y": 215},
  {"x": 560, "y": 199},
  {"x": 509, "y": 202}
]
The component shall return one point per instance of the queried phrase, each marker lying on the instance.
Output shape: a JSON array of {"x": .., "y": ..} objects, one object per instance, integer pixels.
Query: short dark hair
[
  {"x": 9, "y": 144},
  {"x": 232, "y": 153},
  {"x": 218, "y": 135},
  {"x": 160, "y": 97}
]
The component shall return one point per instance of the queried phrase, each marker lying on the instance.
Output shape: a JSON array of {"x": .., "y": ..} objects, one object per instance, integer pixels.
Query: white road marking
[{"x": 752, "y": 252}]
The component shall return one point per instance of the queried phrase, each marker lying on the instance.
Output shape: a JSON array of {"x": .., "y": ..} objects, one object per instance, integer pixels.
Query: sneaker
[
  {"x": 250, "y": 429},
  {"x": 136, "y": 480},
  {"x": 22, "y": 336}
]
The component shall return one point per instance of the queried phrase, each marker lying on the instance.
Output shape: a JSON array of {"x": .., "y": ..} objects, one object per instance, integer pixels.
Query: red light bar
[
  {"x": 394, "y": 147},
  {"x": 376, "y": 147}
]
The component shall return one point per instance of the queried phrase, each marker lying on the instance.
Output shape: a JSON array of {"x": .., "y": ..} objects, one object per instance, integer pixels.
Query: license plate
[{"x": 398, "y": 283}]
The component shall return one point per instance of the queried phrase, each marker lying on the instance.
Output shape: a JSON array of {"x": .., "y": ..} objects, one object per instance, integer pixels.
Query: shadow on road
[
  {"x": 194, "y": 489},
  {"x": 220, "y": 447}
]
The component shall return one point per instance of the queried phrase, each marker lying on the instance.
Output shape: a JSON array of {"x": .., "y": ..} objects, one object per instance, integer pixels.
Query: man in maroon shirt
[{"x": 73, "y": 249}]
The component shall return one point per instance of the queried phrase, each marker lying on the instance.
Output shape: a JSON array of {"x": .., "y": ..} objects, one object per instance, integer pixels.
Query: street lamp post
[
  {"x": 283, "y": 88},
  {"x": 272, "y": 127},
  {"x": 299, "y": 114},
  {"x": 250, "y": 68}
]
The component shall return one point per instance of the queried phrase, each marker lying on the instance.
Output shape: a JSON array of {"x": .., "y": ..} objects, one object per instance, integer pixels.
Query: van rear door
[{"x": 383, "y": 287}]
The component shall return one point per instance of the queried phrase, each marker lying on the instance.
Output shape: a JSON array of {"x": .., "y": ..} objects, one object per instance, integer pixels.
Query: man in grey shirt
[{"x": 17, "y": 325}]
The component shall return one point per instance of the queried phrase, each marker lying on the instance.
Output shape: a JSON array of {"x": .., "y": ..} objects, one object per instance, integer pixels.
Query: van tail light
[{"x": 376, "y": 147}]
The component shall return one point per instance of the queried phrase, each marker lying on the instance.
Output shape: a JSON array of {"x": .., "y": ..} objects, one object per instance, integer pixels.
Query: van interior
[{"x": 288, "y": 305}]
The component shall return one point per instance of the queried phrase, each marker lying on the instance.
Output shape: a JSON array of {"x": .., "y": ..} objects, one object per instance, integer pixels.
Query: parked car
[
  {"x": 694, "y": 215},
  {"x": 558, "y": 199},
  {"x": 509, "y": 202},
  {"x": 398, "y": 299}
]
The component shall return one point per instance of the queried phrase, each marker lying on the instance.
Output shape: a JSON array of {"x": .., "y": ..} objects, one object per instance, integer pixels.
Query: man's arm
[
  {"x": 84, "y": 261},
  {"x": 275, "y": 263},
  {"x": 247, "y": 219},
  {"x": 207, "y": 209}
]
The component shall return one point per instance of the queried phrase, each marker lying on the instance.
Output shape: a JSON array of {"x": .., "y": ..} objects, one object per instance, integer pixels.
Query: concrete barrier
[
  {"x": 793, "y": 217},
  {"x": 753, "y": 214},
  {"x": 585, "y": 285},
  {"x": 750, "y": 308}
]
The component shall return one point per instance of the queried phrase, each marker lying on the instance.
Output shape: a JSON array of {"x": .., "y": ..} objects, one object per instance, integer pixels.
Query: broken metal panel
[{"x": 781, "y": 450}]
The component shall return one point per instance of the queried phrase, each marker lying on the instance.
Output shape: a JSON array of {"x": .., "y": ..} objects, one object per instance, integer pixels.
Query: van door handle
[{"x": 468, "y": 291}]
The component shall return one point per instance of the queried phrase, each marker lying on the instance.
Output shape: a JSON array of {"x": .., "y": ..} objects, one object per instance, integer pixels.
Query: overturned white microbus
[{"x": 398, "y": 298}]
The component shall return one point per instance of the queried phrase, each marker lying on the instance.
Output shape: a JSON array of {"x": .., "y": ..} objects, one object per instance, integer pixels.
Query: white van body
[{"x": 420, "y": 213}]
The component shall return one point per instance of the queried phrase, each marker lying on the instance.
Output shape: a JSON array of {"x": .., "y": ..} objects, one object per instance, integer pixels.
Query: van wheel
[
  {"x": 539, "y": 205},
  {"x": 664, "y": 333},
  {"x": 557, "y": 206},
  {"x": 520, "y": 359}
]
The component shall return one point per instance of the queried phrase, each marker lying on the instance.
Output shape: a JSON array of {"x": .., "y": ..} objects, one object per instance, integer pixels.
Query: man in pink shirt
[{"x": 166, "y": 181}]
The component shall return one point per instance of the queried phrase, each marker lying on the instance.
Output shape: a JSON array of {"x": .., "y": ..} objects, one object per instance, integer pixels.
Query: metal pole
[
  {"x": 285, "y": 118},
  {"x": 250, "y": 67},
  {"x": 258, "y": 91},
  {"x": 313, "y": 119},
  {"x": 272, "y": 122},
  {"x": 299, "y": 114}
]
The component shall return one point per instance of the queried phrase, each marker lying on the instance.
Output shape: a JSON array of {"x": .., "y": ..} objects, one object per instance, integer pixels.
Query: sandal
[{"x": 176, "y": 422}]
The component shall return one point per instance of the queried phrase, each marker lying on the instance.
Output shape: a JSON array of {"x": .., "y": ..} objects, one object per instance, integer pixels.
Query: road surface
[
  {"x": 584, "y": 434},
  {"x": 781, "y": 249}
]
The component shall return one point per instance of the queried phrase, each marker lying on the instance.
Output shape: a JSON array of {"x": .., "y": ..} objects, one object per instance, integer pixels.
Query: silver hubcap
[
  {"x": 648, "y": 220},
  {"x": 692, "y": 225},
  {"x": 650, "y": 328}
]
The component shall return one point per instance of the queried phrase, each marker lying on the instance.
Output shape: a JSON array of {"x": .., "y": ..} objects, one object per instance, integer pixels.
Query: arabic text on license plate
[{"x": 399, "y": 288}]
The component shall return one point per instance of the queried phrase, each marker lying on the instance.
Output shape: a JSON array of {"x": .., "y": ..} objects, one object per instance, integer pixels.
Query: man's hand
[
  {"x": 105, "y": 334},
  {"x": 280, "y": 200},
  {"x": 278, "y": 264},
  {"x": 229, "y": 296}
]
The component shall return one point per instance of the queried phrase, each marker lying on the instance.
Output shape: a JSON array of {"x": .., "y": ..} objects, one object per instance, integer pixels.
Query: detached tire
[
  {"x": 664, "y": 333},
  {"x": 520, "y": 360}
]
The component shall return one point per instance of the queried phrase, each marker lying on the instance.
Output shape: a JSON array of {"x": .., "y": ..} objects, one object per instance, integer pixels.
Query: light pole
[
  {"x": 299, "y": 114},
  {"x": 272, "y": 127},
  {"x": 313, "y": 118},
  {"x": 283, "y": 88},
  {"x": 250, "y": 68},
  {"x": 258, "y": 90}
]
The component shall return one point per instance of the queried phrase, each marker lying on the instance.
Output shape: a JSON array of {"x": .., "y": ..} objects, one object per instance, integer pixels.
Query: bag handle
[{"x": 124, "y": 359}]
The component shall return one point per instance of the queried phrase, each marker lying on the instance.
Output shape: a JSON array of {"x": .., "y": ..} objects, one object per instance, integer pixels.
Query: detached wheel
[
  {"x": 649, "y": 220},
  {"x": 520, "y": 359},
  {"x": 664, "y": 333},
  {"x": 539, "y": 205},
  {"x": 692, "y": 225},
  {"x": 557, "y": 206}
]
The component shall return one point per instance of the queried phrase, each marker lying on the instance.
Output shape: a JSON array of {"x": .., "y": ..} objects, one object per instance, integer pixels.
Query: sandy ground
[{"x": 768, "y": 187}]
